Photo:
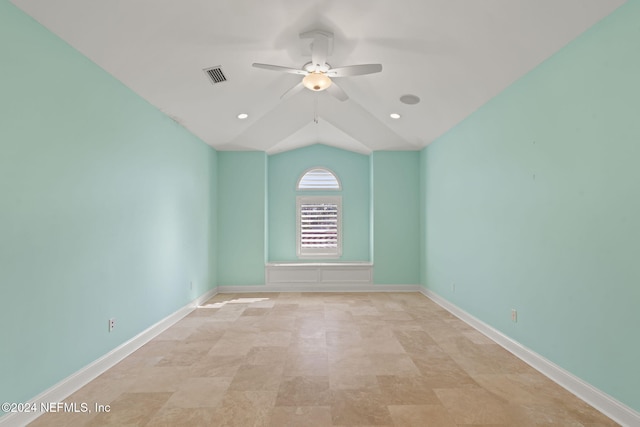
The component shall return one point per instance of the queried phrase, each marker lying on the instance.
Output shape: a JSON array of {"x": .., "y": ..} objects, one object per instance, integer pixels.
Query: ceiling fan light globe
[{"x": 316, "y": 81}]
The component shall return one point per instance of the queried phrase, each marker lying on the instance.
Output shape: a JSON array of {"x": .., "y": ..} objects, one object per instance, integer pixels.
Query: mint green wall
[
  {"x": 241, "y": 217},
  {"x": 284, "y": 171},
  {"x": 396, "y": 208},
  {"x": 533, "y": 203},
  {"x": 105, "y": 210},
  {"x": 422, "y": 200}
]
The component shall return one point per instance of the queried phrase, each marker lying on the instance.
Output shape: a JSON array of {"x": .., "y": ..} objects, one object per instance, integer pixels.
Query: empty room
[{"x": 320, "y": 213}]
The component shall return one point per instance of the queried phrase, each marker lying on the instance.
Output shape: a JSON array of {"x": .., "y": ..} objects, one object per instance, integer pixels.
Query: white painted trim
[
  {"x": 321, "y": 273},
  {"x": 321, "y": 264},
  {"x": 314, "y": 287},
  {"x": 77, "y": 380},
  {"x": 606, "y": 404}
]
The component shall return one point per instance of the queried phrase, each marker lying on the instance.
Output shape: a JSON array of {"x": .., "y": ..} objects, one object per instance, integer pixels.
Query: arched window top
[{"x": 318, "y": 179}]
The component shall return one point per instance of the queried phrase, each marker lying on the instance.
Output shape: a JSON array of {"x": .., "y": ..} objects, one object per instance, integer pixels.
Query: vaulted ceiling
[{"x": 454, "y": 55}]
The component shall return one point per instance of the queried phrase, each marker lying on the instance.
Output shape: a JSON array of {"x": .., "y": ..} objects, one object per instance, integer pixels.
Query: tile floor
[{"x": 320, "y": 359}]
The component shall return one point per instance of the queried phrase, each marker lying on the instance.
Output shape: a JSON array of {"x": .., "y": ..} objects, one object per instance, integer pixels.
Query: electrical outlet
[
  {"x": 514, "y": 315},
  {"x": 453, "y": 287},
  {"x": 112, "y": 324},
  {"x": 191, "y": 285}
]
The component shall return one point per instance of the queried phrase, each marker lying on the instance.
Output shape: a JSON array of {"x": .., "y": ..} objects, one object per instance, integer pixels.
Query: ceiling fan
[{"x": 318, "y": 73}]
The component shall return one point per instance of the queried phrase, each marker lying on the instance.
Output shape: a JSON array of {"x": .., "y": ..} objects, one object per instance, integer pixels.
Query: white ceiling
[{"x": 453, "y": 54}]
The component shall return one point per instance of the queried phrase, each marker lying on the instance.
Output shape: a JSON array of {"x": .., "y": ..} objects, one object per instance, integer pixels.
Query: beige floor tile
[
  {"x": 62, "y": 419},
  {"x": 277, "y": 322},
  {"x": 307, "y": 363},
  {"x": 183, "y": 417},
  {"x": 304, "y": 391},
  {"x": 204, "y": 392},
  {"x": 477, "y": 406},
  {"x": 441, "y": 370},
  {"x": 395, "y": 316},
  {"x": 256, "y": 311},
  {"x": 477, "y": 338},
  {"x": 364, "y": 310},
  {"x": 384, "y": 345},
  {"x": 305, "y": 345},
  {"x": 356, "y": 407},
  {"x": 210, "y": 332},
  {"x": 266, "y": 356},
  {"x": 229, "y": 347},
  {"x": 296, "y": 416},
  {"x": 217, "y": 366},
  {"x": 420, "y": 416},
  {"x": 414, "y": 341},
  {"x": 159, "y": 379},
  {"x": 484, "y": 359},
  {"x": 185, "y": 353},
  {"x": 406, "y": 390},
  {"x": 131, "y": 409},
  {"x": 273, "y": 339},
  {"x": 368, "y": 332},
  {"x": 392, "y": 364},
  {"x": 153, "y": 348},
  {"x": 245, "y": 408},
  {"x": 354, "y": 364},
  {"x": 257, "y": 378},
  {"x": 325, "y": 359},
  {"x": 343, "y": 338},
  {"x": 354, "y": 382}
]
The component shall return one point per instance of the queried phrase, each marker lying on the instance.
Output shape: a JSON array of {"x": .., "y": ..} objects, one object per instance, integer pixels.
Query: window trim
[{"x": 318, "y": 252}]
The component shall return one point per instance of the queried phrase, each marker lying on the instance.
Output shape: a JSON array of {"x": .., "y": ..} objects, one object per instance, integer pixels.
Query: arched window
[
  {"x": 319, "y": 218},
  {"x": 318, "y": 179}
]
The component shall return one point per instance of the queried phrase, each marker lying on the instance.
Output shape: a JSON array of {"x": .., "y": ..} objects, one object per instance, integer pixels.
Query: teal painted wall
[
  {"x": 533, "y": 203},
  {"x": 423, "y": 216},
  {"x": 284, "y": 171},
  {"x": 396, "y": 208},
  {"x": 106, "y": 210},
  {"x": 242, "y": 184}
]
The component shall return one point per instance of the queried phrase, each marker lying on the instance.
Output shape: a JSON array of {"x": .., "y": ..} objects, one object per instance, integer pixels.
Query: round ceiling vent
[{"x": 409, "y": 99}]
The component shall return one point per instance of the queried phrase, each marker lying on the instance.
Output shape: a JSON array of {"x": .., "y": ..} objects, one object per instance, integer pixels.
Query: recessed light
[
  {"x": 394, "y": 116},
  {"x": 243, "y": 116}
]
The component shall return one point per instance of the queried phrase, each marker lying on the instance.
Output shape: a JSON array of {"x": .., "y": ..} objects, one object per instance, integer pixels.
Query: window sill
[{"x": 319, "y": 263}]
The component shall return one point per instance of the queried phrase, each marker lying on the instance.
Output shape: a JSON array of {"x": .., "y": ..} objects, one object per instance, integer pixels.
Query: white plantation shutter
[
  {"x": 319, "y": 222},
  {"x": 319, "y": 225}
]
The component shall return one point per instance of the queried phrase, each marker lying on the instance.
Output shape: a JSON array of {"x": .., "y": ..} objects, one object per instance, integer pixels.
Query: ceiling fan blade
[
  {"x": 288, "y": 94},
  {"x": 354, "y": 70},
  {"x": 279, "y": 68},
  {"x": 337, "y": 92}
]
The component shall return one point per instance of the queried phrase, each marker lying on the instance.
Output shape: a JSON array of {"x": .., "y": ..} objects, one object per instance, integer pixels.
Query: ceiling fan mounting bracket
[
  {"x": 309, "y": 37},
  {"x": 310, "y": 67},
  {"x": 316, "y": 33}
]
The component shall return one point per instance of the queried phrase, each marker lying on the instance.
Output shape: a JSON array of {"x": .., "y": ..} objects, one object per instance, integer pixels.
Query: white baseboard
[
  {"x": 606, "y": 404},
  {"x": 77, "y": 380},
  {"x": 325, "y": 287}
]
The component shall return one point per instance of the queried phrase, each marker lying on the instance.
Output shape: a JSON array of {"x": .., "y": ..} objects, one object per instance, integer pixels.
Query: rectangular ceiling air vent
[{"x": 215, "y": 74}]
